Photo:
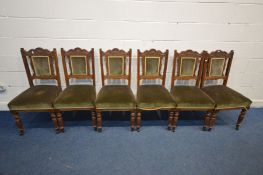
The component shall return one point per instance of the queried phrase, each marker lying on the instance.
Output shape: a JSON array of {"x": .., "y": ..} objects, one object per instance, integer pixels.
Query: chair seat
[
  {"x": 154, "y": 97},
  {"x": 38, "y": 97},
  {"x": 225, "y": 97},
  {"x": 115, "y": 97},
  {"x": 76, "y": 96},
  {"x": 191, "y": 97}
]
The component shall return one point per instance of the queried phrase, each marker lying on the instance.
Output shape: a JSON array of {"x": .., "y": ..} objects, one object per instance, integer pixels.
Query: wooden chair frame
[
  {"x": 173, "y": 118},
  {"x": 32, "y": 76},
  {"x": 141, "y": 56},
  {"x": 127, "y": 76},
  {"x": 226, "y": 70},
  {"x": 69, "y": 75}
]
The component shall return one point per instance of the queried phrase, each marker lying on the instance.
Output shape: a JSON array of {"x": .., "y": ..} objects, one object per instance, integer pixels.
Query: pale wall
[{"x": 161, "y": 24}]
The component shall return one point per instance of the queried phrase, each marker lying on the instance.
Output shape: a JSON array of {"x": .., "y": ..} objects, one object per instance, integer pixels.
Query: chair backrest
[
  {"x": 78, "y": 64},
  {"x": 217, "y": 66},
  {"x": 117, "y": 64},
  {"x": 187, "y": 65},
  {"x": 151, "y": 65},
  {"x": 41, "y": 64}
]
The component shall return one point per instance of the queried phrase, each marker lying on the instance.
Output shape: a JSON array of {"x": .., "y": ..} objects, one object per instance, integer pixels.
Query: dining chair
[
  {"x": 217, "y": 67},
  {"x": 151, "y": 96},
  {"x": 40, "y": 65},
  {"x": 116, "y": 93},
  {"x": 187, "y": 69},
  {"x": 80, "y": 91}
]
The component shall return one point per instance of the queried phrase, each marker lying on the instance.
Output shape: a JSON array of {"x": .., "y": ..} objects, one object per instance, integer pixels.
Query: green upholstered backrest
[
  {"x": 187, "y": 66},
  {"x": 216, "y": 67},
  {"x": 41, "y": 65},
  {"x": 115, "y": 65},
  {"x": 78, "y": 65},
  {"x": 152, "y": 66}
]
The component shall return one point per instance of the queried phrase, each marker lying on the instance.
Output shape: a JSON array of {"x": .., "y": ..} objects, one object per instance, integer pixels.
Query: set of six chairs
[{"x": 115, "y": 66}]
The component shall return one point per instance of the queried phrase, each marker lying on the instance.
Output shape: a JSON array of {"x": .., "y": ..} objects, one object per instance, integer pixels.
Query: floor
[{"x": 118, "y": 151}]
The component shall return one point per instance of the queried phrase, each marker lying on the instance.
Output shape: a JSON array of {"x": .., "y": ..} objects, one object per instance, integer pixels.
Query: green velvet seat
[
  {"x": 225, "y": 97},
  {"x": 76, "y": 96},
  {"x": 115, "y": 97},
  {"x": 38, "y": 97},
  {"x": 191, "y": 97},
  {"x": 153, "y": 97}
]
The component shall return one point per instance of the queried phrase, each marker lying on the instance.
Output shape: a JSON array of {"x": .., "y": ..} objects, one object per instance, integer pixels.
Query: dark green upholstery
[
  {"x": 119, "y": 97},
  {"x": 116, "y": 65},
  {"x": 41, "y": 65},
  {"x": 78, "y": 65},
  {"x": 76, "y": 96},
  {"x": 151, "y": 97},
  {"x": 191, "y": 97},
  {"x": 152, "y": 65},
  {"x": 187, "y": 66},
  {"x": 35, "y": 98},
  {"x": 216, "y": 67},
  {"x": 225, "y": 97}
]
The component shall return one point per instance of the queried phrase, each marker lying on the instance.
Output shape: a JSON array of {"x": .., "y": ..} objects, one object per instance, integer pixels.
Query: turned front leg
[
  {"x": 212, "y": 120},
  {"x": 55, "y": 121},
  {"x": 241, "y": 118},
  {"x": 138, "y": 121},
  {"x": 170, "y": 120},
  {"x": 175, "y": 119},
  {"x": 94, "y": 120},
  {"x": 132, "y": 121},
  {"x": 207, "y": 120},
  {"x": 99, "y": 121},
  {"x": 60, "y": 121},
  {"x": 19, "y": 123}
]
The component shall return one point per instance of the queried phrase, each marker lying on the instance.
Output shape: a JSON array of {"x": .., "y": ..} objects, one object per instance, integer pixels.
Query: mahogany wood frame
[
  {"x": 32, "y": 76},
  {"x": 172, "y": 121},
  {"x": 68, "y": 75},
  {"x": 226, "y": 70},
  {"x": 161, "y": 75},
  {"x": 127, "y": 76}
]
